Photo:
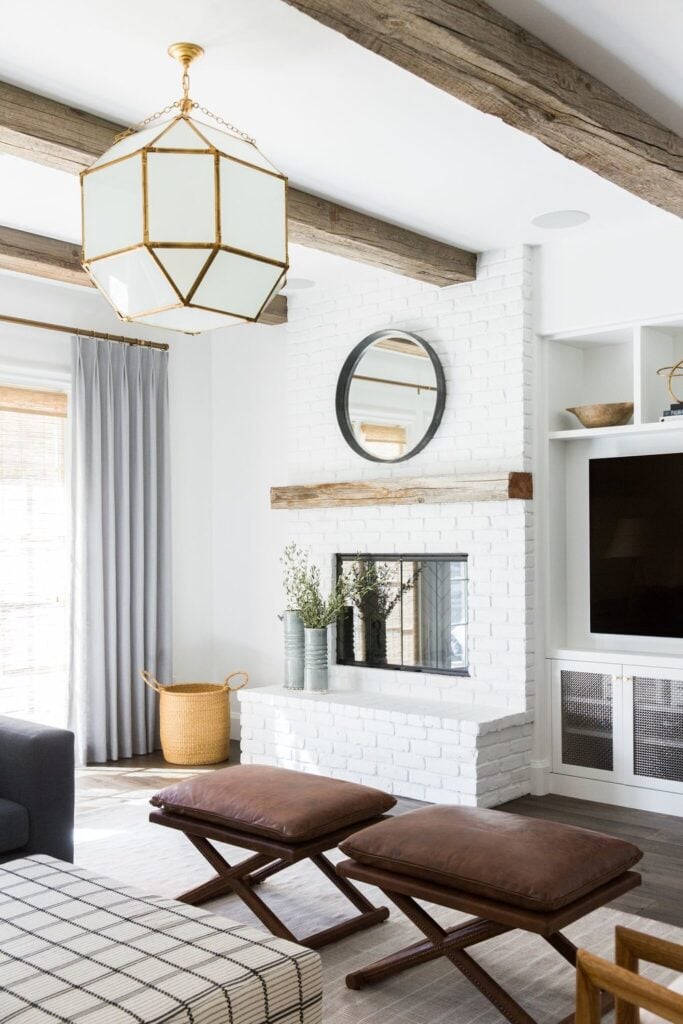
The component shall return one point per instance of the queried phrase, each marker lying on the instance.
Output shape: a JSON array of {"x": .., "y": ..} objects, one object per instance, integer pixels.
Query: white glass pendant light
[{"x": 185, "y": 222}]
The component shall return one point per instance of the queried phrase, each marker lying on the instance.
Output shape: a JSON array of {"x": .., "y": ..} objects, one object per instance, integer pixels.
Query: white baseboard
[
  {"x": 540, "y": 777},
  {"x": 640, "y": 799}
]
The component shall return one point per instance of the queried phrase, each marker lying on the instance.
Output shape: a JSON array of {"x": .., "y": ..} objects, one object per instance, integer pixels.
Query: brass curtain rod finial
[{"x": 186, "y": 53}]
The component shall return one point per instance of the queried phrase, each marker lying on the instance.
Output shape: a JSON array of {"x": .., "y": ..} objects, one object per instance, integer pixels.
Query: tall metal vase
[
  {"x": 294, "y": 650},
  {"x": 315, "y": 660}
]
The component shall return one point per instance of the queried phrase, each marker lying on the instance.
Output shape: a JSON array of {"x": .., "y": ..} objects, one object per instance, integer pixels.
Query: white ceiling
[
  {"x": 634, "y": 46},
  {"x": 337, "y": 119}
]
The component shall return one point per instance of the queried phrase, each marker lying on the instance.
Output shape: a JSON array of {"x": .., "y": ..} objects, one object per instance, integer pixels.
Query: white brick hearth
[
  {"x": 425, "y": 749},
  {"x": 433, "y": 737}
]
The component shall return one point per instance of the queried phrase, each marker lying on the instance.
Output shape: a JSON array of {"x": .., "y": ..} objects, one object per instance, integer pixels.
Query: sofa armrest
[{"x": 37, "y": 770}]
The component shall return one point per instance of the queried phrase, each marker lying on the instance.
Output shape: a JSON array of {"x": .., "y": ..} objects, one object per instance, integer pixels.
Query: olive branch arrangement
[
  {"x": 304, "y": 590},
  {"x": 304, "y": 594}
]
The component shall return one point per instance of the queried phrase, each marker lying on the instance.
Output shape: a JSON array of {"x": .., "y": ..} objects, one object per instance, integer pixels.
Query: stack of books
[{"x": 668, "y": 416}]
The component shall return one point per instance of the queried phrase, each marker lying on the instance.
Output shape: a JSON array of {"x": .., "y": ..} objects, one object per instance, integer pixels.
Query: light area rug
[{"x": 115, "y": 838}]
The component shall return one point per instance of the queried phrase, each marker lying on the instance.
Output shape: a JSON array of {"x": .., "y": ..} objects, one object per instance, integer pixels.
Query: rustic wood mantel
[{"x": 498, "y": 486}]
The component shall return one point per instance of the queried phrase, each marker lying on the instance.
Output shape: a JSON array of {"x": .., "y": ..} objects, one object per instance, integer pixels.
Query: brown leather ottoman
[
  {"x": 283, "y": 817},
  {"x": 510, "y": 871}
]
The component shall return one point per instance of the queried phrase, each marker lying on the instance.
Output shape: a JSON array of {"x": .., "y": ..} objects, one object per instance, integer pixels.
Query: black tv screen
[{"x": 636, "y": 545}]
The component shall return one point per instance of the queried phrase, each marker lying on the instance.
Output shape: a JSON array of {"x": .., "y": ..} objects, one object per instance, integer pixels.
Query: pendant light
[{"x": 184, "y": 219}]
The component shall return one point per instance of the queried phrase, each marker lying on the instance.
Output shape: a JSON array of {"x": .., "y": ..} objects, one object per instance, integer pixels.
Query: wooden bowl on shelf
[{"x": 604, "y": 414}]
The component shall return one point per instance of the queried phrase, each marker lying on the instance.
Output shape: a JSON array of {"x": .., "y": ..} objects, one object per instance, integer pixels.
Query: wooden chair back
[{"x": 631, "y": 992}]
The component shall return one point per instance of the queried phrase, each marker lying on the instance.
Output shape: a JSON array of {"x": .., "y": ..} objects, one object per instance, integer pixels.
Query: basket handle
[
  {"x": 151, "y": 681},
  {"x": 230, "y": 689}
]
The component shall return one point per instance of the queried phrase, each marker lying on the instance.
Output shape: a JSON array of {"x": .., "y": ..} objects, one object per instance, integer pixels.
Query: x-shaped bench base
[
  {"x": 269, "y": 858},
  {"x": 453, "y": 943}
]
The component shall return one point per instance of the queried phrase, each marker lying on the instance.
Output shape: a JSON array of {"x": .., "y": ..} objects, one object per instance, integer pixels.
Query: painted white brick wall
[
  {"x": 432, "y": 737},
  {"x": 427, "y": 750},
  {"x": 482, "y": 332}
]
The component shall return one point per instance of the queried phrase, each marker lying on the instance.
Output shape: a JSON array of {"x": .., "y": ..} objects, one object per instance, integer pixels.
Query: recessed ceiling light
[
  {"x": 561, "y": 219},
  {"x": 296, "y": 283}
]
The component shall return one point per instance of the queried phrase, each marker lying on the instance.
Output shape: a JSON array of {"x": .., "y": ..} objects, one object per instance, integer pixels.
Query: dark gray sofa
[{"x": 36, "y": 790}]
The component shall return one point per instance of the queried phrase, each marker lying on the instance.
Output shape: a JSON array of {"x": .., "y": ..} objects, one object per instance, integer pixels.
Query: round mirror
[{"x": 390, "y": 396}]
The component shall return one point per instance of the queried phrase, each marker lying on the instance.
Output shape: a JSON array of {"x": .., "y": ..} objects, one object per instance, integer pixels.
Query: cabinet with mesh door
[
  {"x": 621, "y": 723},
  {"x": 586, "y": 719},
  {"x": 654, "y": 728}
]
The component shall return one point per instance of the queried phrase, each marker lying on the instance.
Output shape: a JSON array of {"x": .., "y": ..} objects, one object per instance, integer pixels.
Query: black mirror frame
[{"x": 344, "y": 385}]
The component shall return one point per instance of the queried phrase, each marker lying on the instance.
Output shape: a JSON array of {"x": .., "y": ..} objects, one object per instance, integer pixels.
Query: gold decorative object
[
  {"x": 185, "y": 221},
  {"x": 604, "y": 414},
  {"x": 671, "y": 373}
]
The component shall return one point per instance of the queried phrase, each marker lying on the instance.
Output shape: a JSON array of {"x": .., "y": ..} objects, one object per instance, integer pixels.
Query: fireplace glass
[{"x": 408, "y": 612}]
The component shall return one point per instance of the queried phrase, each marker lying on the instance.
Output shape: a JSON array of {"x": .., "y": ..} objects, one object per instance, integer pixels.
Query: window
[{"x": 33, "y": 555}]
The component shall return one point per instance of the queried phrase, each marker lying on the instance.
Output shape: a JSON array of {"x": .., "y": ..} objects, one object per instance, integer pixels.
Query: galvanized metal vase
[
  {"x": 294, "y": 650},
  {"x": 315, "y": 660}
]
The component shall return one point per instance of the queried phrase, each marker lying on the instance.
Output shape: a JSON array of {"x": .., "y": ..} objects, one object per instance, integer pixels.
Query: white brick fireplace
[{"x": 434, "y": 737}]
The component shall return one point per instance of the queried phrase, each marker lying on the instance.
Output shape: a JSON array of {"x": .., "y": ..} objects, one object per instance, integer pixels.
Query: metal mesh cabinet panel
[
  {"x": 587, "y": 729},
  {"x": 658, "y": 728}
]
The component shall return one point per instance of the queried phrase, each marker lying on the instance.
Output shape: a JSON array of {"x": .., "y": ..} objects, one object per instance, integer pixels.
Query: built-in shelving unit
[
  {"x": 613, "y": 365},
  {"x": 617, "y": 701}
]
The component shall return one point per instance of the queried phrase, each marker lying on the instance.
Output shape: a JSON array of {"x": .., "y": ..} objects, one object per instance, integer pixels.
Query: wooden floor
[{"x": 660, "y": 836}]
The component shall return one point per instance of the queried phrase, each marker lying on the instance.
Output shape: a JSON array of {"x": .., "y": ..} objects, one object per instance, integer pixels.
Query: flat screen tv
[{"x": 636, "y": 545}]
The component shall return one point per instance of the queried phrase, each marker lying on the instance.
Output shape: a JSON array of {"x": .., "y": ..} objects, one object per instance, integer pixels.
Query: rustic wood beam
[
  {"x": 469, "y": 50},
  {"x": 50, "y": 133},
  {"x": 406, "y": 491},
  {"x": 56, "y": 135},
  {"x": 25, "y": 253},
  {"x": 320, "y": 224}
]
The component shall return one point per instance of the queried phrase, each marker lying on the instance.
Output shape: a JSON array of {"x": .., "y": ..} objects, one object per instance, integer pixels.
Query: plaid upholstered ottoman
[{"x": 77, "y": 947}]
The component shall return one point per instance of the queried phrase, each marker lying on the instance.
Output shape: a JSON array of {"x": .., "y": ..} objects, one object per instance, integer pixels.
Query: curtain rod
[{"x": 43, "y": 325}]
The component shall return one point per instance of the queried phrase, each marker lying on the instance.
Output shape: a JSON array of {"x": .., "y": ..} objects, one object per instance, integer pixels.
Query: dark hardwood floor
[{"x": 660, "y": 836}]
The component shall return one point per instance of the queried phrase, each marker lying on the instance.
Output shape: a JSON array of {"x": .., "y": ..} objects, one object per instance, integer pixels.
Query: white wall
[
  {"x": 248, "y": 431},
  {"x": 630, "y": 275}
]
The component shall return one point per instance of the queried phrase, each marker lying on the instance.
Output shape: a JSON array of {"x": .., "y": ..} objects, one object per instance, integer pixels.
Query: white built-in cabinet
[{"x": 618, "y": 723}]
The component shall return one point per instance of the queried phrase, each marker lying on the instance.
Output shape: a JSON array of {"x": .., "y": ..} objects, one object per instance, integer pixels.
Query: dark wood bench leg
[
  {"x": 450, "y": 943},
  {"x": 368, "y": 917},
  {"x": 462, "y": 935},
  {"x": 241, "y": 878}
]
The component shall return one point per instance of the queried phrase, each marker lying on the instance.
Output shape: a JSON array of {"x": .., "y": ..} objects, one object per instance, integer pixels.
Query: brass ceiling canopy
[{"x": 186, "y": 53}]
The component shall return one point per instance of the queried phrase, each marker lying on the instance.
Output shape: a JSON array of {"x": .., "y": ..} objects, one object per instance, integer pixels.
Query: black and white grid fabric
[{"x": 78, "y": 948}]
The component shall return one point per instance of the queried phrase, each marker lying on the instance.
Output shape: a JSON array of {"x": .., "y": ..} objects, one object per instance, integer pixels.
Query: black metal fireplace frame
[{"x": 398, "y": 557}]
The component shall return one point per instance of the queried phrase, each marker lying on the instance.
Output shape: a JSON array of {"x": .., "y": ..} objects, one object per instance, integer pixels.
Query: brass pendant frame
[{"x": 214, "y": 246}]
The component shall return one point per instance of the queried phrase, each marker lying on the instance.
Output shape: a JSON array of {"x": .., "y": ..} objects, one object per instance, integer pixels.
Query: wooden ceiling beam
[
  {"x": 472, "y": 52},
  {"x": 25, "y": 253},
  {"x": 51, "y": 133}
]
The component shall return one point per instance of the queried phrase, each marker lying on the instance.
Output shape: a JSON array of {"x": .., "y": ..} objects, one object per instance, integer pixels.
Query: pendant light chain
[
  {"x": 185, "y": 105},
  {"x": 226, "y": 124}
]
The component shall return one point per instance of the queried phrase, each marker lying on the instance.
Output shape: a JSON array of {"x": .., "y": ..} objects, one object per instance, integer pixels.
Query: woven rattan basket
[{"x": 195, "y": 719}]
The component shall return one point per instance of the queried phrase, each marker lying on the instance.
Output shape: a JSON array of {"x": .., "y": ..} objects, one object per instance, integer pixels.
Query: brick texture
[{"x": 483, "y": 334}]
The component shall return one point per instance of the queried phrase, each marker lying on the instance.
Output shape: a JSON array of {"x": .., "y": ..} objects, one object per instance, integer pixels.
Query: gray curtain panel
[{"x": 121, "y": 596}]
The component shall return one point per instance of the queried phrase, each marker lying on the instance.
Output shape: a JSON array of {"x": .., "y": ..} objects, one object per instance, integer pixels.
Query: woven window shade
[
  {"x": 40, "y": 403},
  {"x": 33, "y": 555},
  {"x": 379, "y": 433}
]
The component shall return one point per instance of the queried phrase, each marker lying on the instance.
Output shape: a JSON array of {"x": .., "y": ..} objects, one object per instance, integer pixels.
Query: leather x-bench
[
  {"x": 283, "y": 817},
  {"x": 510, "y": 871}
]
